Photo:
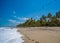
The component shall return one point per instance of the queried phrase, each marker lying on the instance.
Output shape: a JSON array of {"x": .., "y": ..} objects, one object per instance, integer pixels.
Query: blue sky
[{"x": 13, "y": 12}]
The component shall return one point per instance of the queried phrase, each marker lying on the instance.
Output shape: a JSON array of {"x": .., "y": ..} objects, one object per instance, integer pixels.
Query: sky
[{"x": 14, "y": 12}]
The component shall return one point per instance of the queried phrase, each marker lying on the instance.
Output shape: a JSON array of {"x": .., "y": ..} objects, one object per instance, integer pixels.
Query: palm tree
[
  {"x": 48, "y": 20},
  {"x": 38, "y": 23},
  {"x": 54, "y": 21},
  {"x": 49, "y": 17},
  {"x": 43, "y": 20},
  {"x": 58, "y": 15}
]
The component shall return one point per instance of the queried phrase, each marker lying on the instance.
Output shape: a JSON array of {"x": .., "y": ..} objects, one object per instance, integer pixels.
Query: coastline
[
  {"x": 10, "y": 35},
  {"x": 40, "y": 34}
]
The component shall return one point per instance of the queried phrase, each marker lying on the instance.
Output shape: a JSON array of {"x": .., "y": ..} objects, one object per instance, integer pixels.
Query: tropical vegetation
[{"x": 49, "y": 20}]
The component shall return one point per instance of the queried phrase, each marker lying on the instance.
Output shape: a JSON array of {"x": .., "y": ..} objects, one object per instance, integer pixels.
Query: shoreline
[
  {"x": 40, "y": 34},
  {"x": 10, "y": 35}
]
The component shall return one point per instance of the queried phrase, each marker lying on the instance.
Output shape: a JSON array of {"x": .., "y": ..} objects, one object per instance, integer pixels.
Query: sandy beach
[{"x": 41, "y": 34}]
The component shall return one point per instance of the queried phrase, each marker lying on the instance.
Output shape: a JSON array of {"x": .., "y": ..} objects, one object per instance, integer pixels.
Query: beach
[
  {"x": 10, "y": 35},
  {"x": 40, "y": 34}
]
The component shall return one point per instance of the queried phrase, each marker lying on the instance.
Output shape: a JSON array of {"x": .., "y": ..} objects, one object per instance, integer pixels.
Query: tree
[
  {"x": 43, "y": 20},
  {"x": 54, "y": 21},
  {"x": 37, "y": 23},
  {"x": 48, "y": 20},
  {"x": 49, "y": 17},
  {"x": 58, "y": 15}
]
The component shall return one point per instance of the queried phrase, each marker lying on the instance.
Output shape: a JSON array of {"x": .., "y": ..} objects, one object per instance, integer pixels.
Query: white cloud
[
  {"x": 23, "y": 18},
  {"x": 37, "y": 17},
  {"x": 14, "y": 21}
]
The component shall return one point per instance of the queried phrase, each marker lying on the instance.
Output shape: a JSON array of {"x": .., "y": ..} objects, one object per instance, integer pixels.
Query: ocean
[{"x": 10, "y": 35}]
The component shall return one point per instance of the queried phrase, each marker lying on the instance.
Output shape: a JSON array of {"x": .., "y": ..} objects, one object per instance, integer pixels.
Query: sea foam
[{"x": 9, "y": 35}]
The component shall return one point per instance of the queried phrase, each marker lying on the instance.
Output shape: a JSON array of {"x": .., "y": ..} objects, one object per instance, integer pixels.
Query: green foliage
[{"x": 48, "y": 20}]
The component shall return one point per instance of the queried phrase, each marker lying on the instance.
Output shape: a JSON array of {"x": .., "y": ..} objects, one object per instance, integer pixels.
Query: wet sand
[{"x": 41, "y": 34}]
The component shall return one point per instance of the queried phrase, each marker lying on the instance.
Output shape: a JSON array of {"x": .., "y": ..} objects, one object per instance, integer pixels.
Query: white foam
[{"x": 8, "y": 35}]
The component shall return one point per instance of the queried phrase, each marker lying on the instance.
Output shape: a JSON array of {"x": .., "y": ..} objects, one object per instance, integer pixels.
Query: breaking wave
[{"x": 9, "y": 35}]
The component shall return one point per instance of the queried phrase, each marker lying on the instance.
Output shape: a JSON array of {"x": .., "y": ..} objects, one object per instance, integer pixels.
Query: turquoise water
[{"x": 8, "y": 35}]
